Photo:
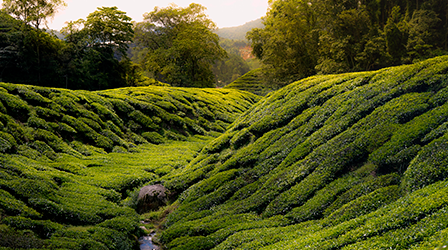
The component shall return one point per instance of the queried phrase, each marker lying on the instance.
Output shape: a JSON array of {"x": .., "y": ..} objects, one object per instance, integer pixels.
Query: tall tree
[
  {"x": 32, "y": 55},
  {"x": 33, "y": 12},
  {"x": 95, "y": 44},
  {"x": 110, "y": 27},
  {"x": 303, "y": 37},
  {"x": 288, "y": 45},
  {"x": 177, "y": 45}
]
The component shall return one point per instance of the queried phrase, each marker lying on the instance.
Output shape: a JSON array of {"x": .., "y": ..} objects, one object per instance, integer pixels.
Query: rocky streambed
[{"x": 147, "y": 244}]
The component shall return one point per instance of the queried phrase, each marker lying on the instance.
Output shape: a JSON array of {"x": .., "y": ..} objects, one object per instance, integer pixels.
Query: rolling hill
[
  {"x": 251, "y": 82},
  {"x": 349, "y": 161},
  {"x": 70, "y": 160}
]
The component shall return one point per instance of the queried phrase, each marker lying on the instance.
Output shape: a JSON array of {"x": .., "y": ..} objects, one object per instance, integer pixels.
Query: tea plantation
[
  {"x": 72, "y": 161},
  {"x": 350, "y": 161},
  {"x": 251, "y": 82}
]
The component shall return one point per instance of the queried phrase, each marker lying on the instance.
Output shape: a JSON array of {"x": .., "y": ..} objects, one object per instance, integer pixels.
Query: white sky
[{"x": 225, "y": 13}]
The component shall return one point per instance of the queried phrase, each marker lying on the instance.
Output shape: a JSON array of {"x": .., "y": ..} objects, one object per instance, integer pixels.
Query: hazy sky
[{"x": 226, "y": 13}]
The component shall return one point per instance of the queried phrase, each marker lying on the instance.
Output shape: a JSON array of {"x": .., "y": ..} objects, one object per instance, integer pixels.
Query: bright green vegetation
[
  {"x": 252, "y": 82},
  {"x": 71, "y": 162},
  {"x": 350, "y": 161}
]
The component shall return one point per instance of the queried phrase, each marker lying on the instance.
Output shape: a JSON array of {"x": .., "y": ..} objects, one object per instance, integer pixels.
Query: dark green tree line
[
  {"x": 302, "y": 38},
  {"x": 173, "y": 45},
  {"x": 92, "y": 56},
  {"x": 98, "y": 49}
]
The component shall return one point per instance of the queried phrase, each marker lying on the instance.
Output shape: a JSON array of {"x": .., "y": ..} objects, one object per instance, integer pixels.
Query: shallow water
[{"x": 147, "y": 244}]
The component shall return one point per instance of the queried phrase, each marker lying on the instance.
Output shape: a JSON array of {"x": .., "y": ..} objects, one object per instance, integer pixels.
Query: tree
[
  {"x": 95, "y": 44},
  {"x": 28, "y": 55},
  {"x": 288, "y": 45},
  {"x": 396, "y": 37},
  {"x": 422, "y": 33},
  {"x": 33, "y": 12},
  {"x": 177, "y": 45},
  {"x": 110, "y": 27},
  {"x": 304, "y": 37}
]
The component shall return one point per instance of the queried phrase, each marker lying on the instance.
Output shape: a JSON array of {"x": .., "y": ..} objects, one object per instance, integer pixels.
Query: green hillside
[
  {"x": 350, "y": 161},
  {"x": 71, "y": 160},
  {"x": 252, "y": 82}
]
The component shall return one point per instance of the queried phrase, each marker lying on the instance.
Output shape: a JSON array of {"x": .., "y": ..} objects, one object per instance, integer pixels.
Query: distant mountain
[
  {"x": 239, "y": 32},
  {"x": 56, "y": 33}
]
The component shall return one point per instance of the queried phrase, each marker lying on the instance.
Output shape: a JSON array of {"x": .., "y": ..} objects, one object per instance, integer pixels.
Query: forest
[
  {"x": 297, "y": 39},
  {"x": 108, "y": 50},
  {"x": 304, "y": 38}
]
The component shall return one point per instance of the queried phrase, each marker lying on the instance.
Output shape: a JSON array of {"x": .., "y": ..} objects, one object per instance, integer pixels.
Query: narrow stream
[{"x": 147, "y": 244}]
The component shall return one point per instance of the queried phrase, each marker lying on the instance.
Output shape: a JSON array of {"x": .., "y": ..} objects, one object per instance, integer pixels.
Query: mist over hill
[{"x": 239, "y": 32}]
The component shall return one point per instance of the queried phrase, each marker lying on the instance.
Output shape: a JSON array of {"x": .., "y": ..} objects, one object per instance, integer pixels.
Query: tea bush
[
  {"x": 359, "y": 156},
  {"x": 251, "y": 82},
  {"x": 70, "y": 159}
]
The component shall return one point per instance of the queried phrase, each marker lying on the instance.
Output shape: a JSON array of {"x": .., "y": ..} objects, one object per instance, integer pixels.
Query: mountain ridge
[{"x": 239, "y": 32}]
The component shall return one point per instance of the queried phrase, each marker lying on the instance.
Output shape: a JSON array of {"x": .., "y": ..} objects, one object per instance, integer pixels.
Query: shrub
[
  {"x": 44, "y": 149},
  {"x": 43, "y": 228},
  {"x": 142, "y": 119},
  {"x": 119, "y": 149},
  {"x": 153, "y": 137},
  {"x": 47, "y": 113},
  {"x": 15, "y": 106},
  {"x": 29, "y": 94},
  {"x": 364, "y": 205},
  {"x": 122, "y": 106},
  {"x": 429, "y": 166},
  {"x": 13, "y": 207},
  {"x": 13, "y": 239},
  {"x": 7, "y": 143}
]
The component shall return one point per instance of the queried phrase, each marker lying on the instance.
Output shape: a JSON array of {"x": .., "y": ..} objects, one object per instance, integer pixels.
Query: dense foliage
[
  {"x": 234, "y": 66},
  {"x": 70, "y": 160},
  {"x": 93, "y": 56},
  {"x": 302, "y": 38},
  {"x": 93, "y": 53},
  {"x": 177, "y": 45},
  {"x": 349, "y": 161},
  {"x": 34, "y": 12}
]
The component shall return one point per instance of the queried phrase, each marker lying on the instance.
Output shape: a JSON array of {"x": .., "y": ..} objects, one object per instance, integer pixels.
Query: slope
[
  {"x": 239, "y": 32},
  {"x": 70, "y": 159},
  {"x": 251, "y": 82},
  {"x": 350, "y": 161}
]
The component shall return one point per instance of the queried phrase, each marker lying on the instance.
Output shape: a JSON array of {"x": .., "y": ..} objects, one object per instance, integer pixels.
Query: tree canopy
[
  {"x": 177, "y": 45},
  {"x": 302, "y": 38},
  {"x": 92, "y": 56},
  {"x": 32, "y": 12}
]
